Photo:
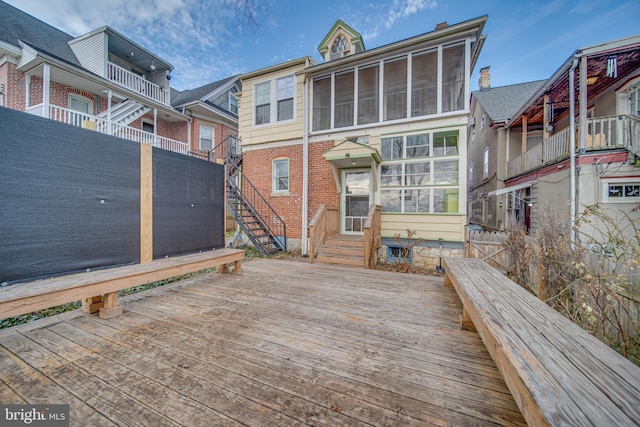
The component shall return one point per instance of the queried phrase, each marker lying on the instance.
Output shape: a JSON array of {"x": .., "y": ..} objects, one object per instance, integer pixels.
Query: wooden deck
[{"x": 286, "y": 343}]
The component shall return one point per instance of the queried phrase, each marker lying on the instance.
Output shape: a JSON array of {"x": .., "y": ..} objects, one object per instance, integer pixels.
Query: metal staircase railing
[{"x": 255, "y": 216}]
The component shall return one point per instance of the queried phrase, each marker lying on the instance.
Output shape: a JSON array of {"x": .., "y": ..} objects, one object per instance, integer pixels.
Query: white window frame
[
  {"x": 606, "y": 183},
  {"x": 213, "y": 137},
  {"x": 273, "y": 100},
  {"x": 483, "y": 121},
  {"x": 274, "y": 177},
  {"x": 233, "y": 102},
  {"x": 81, "y": 98},
  {"x": 485, "y": 163}
]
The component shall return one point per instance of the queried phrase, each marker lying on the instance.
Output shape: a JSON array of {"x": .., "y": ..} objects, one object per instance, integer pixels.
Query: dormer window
[{"x": 340, "y": 47}]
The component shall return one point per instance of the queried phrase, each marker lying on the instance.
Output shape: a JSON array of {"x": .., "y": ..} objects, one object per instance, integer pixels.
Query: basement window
[
  {"x": 621, "y": 191},
  {"x": 396, "y": 254}
]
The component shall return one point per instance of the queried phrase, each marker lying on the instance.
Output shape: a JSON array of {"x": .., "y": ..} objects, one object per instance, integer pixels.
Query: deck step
[
  {"x": 341, "y": 250},
  {"x": 345, "y": 240},
  {"x": 350, "y": 260}
]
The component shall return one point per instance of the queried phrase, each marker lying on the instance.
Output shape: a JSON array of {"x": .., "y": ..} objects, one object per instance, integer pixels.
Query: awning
[
  {"x": 512, "y": 188},
  {"x": 350, "y": 154}
]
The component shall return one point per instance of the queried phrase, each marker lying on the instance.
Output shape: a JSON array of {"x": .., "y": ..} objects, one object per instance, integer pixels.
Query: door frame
[{"x": 343, "y": 198}]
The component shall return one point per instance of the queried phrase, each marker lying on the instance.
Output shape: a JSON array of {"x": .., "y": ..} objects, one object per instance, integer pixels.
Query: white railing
[
  {"x": 75, "y": 118},
  {"x": 137, "y": 84}
]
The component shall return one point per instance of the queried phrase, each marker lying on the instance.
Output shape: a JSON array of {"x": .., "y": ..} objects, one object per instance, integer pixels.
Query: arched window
[{"x": 340, "y": 47}]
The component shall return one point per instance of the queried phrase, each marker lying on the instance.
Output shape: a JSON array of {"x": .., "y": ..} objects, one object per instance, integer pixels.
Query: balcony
[
  {"x": 603, "y": 133},
  {"x": 138, "y": 84},
  {"x": 75, "y": 118}
]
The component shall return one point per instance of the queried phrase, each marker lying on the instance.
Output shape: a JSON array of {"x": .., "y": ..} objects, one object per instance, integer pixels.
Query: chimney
[
  {"x": 442, "y": 25},
  {"x": 484, "y": 82}
]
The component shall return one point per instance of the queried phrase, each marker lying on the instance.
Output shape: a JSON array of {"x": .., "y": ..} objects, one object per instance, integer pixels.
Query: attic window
[{"x": 340, "y": 47}]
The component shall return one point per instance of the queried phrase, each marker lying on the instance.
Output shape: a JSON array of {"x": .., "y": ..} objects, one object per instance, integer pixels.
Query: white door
[{"x": 356, "y": 194}]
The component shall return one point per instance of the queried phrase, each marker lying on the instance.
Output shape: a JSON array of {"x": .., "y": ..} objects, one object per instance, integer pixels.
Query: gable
[{"x": 341, "y": 33}]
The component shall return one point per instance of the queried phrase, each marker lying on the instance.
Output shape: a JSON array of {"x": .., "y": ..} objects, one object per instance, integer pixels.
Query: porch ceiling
[
  {"x": 558, "y": 91},
  {"x": 350, "y": 154}
]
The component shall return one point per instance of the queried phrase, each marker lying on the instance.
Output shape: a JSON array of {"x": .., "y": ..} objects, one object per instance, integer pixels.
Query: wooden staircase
[{"x": 342, "y": 249}]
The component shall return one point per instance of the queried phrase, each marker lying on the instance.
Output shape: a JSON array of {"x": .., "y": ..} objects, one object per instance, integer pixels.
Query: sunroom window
[
  {"x": 453, "y": 78},
  {"x": 424, "y": 83},
  {"x": 368, "y": 94},
  {"x": 322, "y": 103},
  {"x": 395, "y": 89},
  {"x": 343, "y": 108}
]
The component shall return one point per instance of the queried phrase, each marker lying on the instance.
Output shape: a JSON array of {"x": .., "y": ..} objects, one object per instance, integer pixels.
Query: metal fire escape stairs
[{"x": 255, "y": 216}]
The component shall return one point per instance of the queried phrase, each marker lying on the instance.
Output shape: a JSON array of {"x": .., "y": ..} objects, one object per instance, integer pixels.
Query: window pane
[
  {"x": 417, "y": 174},
  {"x": 445, "y": 200},
  {"x": 416, "y": 201},
  {"x": 445, "y": 172},
  {"x": 285, "y": 109},
  {"x": 418, "y": 145},
  {"x": 281, "y": 175},
  {"x": 285, "y": 87},
  {"x": 368, "y": 95},
  {"x": 391, "y": 148},
  {"x": 263, "y": 114},
  {"x": 79, "y": 105},
  {"x": 395, "y": 89},
  {"x": 321, "y": 103},
  {"x": 445, "y": 144},
  {"x": 390, "y": 200},
  {"x": 424, "y": 81},
  {"x": 391, "y": 175},
  {"x": 343, "y": 109},
  {"x": 453, "y": 78},
  {"x": 206, "y": 138},
  {"x": 263, "y": 93}
]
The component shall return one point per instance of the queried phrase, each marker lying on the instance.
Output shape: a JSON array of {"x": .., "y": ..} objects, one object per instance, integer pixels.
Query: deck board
[{"x": 286, "y": 343}]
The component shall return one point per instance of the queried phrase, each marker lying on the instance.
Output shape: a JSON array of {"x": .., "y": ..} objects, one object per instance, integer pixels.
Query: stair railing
[
  {"x": 372, "y": 236},
  {"x": 324, "y": 222}
]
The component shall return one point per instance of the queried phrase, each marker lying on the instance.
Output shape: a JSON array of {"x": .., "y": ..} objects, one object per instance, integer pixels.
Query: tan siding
[{"x": 430, "y": 227}]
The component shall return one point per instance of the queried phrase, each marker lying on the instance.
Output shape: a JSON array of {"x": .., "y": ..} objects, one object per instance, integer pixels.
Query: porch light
[
  {"x": 591, "y": 80},
  {"x": 153, "y": 65}
]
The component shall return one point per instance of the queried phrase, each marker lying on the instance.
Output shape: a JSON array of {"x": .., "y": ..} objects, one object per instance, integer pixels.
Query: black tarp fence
[{"x": 70, "y": 200}]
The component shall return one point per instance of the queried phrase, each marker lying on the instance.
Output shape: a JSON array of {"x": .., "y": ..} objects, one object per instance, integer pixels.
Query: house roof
[
  {"x": 198, "y": 94},
  {"x": 501, "y": 103},
  {"x": 16, "y": 25},
  {"x": 340, "y": 25}
]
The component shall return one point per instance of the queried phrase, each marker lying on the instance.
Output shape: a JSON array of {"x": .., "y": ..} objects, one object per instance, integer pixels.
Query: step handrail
[{"x": 372, "y": 236}]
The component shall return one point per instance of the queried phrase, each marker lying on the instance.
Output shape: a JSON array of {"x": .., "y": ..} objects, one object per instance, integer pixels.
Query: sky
[{"x": 208, "y": 40}]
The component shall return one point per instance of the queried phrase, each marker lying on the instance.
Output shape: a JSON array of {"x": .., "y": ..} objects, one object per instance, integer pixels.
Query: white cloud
[{"x": 404, "y": 8}]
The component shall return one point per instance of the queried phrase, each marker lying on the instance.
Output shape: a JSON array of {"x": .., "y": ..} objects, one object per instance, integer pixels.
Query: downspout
[
  {"x": 572, "y": 148},
  {"x": 305, "y": 165}
]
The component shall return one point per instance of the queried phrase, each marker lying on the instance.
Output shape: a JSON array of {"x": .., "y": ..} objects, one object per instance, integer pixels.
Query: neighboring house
[
  {"x": 105, "y": 82},
  {"x": 605, "y": 134},
  {"x": 385, "y": 126},
  {"x": 489, "y": 145}
]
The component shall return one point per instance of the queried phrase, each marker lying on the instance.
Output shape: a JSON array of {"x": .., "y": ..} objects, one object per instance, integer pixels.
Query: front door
[{"x": 356, "y": 191}]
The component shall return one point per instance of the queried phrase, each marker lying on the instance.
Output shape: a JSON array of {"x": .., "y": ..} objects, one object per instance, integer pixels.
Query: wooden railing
[
  {"x": 137, "y": 84},
  {"x": 326, "y": 221},
  {"x": 372, "y": 237}
]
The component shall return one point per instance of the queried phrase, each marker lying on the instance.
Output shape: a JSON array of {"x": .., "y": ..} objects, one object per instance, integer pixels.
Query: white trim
[
  {"x": 275, "y": 191},
  {"x": 511, "y": 188},
  {"x": 273, "y": 101},
  {"x": 213, "y": 135},
  {"x": 620, "y": 181}
]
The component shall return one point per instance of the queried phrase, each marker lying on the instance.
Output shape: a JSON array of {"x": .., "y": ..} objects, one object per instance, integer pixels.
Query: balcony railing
[
  {"x": 137, "y": 84},
  {"x": 75, "y": 118},
  {"x": 603, "y": 133}
]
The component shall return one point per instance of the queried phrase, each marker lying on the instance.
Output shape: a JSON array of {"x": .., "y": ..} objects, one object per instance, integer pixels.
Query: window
[
  {"x": 485, "y": 163},
  {"x": 413, "y": 179},
  {"x": 206, "y": 138},
  {"x": 453, "y": 90},
  {"x": 395, "y": 89},
  {"x": 473, "y": 135},
  {"x": 424, "y": 83},
  {"x": 80, "y": 104},
  {"x": 285, "y": 98},
  {"x": 322, "y": 103},
  {"x": 147, "y": 126},
  {"x": 274, "y": 100},
  {"x": 340, "y": 47},
  {"x": 343, "y": 108},
  {"x": 483, "y": 122},
  {"x": 233, "y": 103},
  {"x": 399, "y": 254},
  {"x": 621, "y": 190},
  {"x": 280, "y": 176},
  {"x": 263, "y": 103},
  {"x": 634, "y": 101},
  {"x": 368, "y": 94}
]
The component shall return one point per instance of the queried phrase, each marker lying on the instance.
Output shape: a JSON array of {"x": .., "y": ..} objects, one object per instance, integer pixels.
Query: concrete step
[{"x": 341, "y": 260}]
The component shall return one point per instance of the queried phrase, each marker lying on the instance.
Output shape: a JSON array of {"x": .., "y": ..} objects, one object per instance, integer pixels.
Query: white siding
[{"x": 91, "y": 52}]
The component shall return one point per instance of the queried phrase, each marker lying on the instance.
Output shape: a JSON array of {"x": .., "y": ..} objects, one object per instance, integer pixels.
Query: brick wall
[
  {"x": 14, "y": 87},
  {"x": 256, "y": 165}
]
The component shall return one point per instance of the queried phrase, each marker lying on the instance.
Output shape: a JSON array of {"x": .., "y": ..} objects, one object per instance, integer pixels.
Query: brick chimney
[
  {"x": 484, "y": 82},
  {"x": 442, "y": 25}
]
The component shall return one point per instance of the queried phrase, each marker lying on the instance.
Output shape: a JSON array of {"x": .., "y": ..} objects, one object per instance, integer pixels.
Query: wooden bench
[
  {"x": 557, "y": 373},
  {"x": 90, "y": 286}
]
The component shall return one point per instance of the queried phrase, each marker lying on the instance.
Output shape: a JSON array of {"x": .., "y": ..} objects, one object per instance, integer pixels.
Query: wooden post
[
  {"x": 92, "y": 304},
  {"x": 146, "y": 203},
  {"x": 237, "y": 268},
  {"x": 524, "y": 142},
  {"x": 111, "y": 308},
  {"x": 466, "y": 324}
]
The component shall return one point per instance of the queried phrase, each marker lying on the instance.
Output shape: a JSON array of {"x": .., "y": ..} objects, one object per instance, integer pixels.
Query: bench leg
[
  {"x": 223, "y": 269},
  {"x": 447, "y": 282},
  {"x": 111, "y": 308},
  {"x": 466, "y": 324},
  {"x": 92, "y": 305},
  {"x": 237, "y": 268}
]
